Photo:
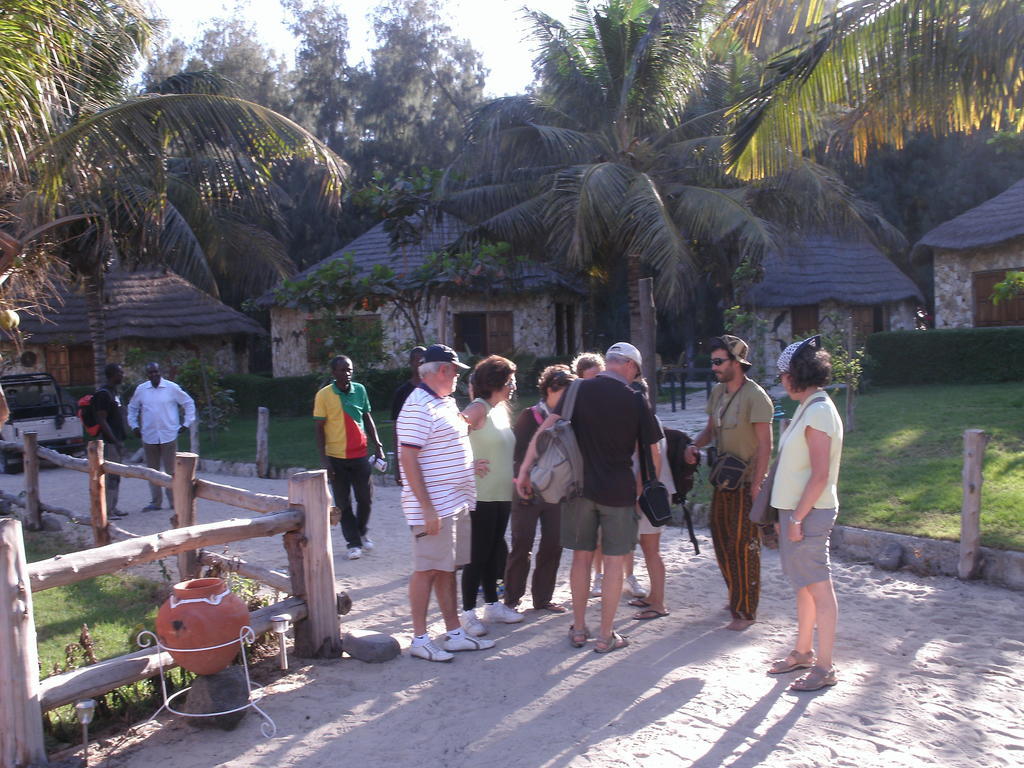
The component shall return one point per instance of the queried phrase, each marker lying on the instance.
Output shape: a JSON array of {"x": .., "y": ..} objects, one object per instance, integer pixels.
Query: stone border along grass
[
  {"x": 888, "y": 551},
  {"x": 923, "y": 556}
]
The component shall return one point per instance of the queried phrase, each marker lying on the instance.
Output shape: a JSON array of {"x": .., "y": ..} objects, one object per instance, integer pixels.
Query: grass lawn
[
  {"x": 901, "y": 465},
  {"x": 115, "y": 608}
]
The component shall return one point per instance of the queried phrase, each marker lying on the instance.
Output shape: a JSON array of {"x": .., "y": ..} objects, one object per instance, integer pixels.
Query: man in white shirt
[
  {"x": 154, "y": 414},
  {"x": 438, "y": 490}
]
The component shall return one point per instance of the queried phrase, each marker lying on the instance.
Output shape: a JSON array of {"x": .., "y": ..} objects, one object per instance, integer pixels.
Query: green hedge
[
  {"x": 293, "y": 395},
  {"x": 947, "y": 356}
]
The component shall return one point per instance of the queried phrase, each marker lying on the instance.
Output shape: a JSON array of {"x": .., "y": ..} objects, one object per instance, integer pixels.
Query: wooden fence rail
[{"x": 304, "y": 518}]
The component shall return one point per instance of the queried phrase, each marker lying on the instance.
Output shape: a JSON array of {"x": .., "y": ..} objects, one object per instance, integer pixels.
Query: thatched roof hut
[
  {"x": 148, "y": 304},
  {"x": 373, "y": 248},
  {"x": 825, "y": 268},
  {"x": 993, "y": 222},
  {"x": 535, "y": 309},
  {"x": 972, "y": 253}
]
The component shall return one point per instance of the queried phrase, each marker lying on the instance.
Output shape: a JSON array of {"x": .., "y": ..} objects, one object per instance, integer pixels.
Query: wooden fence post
[
  {"x": 97, "y": 494},
  {"x": 30, "y": 461},
  {"x": 183, "y": 488},
  {"x": 193, "y": 437},
  {"x": 262, "y": 446},
  {"x": 319, "y": 635},
  {"x": 975, "y": 441},
  {"x": 21, "y": 718}
]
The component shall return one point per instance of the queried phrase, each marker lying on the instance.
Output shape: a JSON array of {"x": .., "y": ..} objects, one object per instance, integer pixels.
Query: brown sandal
[
  {"x": 578, "y": 637},
  {"x": 815, "y": 680},
  {"x": 795, "y": 660},
  {"x": 611, "y": 643}
]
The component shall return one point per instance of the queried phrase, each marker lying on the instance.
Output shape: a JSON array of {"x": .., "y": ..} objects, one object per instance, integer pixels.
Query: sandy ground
[{"x": 930, "y": 673}]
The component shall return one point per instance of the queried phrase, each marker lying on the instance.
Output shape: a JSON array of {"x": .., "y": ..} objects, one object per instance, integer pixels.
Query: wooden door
[
  {"x": 499, "y": 333},
  {"x": 80, "y": 362},
  {"x": 57, "y": 363}
]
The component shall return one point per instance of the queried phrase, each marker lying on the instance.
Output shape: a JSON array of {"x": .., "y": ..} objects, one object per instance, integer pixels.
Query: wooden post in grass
[
  {"x": 30, "y": 462},
  {"x": 183, "y": 488},
  {"x": 647, "y": 337},
  {"x": 21, "y": 719},
  {"x": 97, "y": 494},
  {"x": 319, "y": 634},
  {"x": 262, "y": 446},
  {"x": 193, "y": 437},
  {"x": 975, "y": 441}
]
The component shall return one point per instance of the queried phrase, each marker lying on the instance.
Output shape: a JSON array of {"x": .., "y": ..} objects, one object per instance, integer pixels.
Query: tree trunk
[
  {"x": 633, "y": 275},
  {"x": 93, "y": 289}
]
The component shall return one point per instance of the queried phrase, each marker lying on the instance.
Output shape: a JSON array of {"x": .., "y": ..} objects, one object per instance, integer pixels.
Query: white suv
[{"x": 38, "y": 404}]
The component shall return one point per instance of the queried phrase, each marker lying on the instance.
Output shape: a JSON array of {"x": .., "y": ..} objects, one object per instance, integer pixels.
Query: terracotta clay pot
[{"x": 199, "y": 614}]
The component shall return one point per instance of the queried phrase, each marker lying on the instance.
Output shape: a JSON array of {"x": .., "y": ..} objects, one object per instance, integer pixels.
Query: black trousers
[
  {"x": 488, "y": 552},
  {"x": 348, "y": 477}
]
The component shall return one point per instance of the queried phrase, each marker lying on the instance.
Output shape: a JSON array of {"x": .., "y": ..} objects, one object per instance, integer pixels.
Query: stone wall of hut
[
  {"x": 953, "y": 270},
  {"x": 533, "y": 331}
]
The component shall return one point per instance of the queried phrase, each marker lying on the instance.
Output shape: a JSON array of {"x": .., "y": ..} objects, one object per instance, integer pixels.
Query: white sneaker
[
  {"x": 367, "y": 544},
  {"x": 429, "y": 652},
  {"x": 501, "y": 613},
  {"x": 595, "y": 591},
  {"x": 466, "y": 643},
  {"x": 354, "y": 553},
  {"x": 634, "y": 587},
  {"x": 472, "y": 624}
]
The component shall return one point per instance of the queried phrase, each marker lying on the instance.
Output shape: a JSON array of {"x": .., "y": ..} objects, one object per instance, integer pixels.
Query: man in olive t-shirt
[{"x": 739, "y": 423}]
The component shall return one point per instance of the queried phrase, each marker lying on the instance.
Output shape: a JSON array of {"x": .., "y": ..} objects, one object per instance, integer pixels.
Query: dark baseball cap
[{"x": 439, "y": 353}]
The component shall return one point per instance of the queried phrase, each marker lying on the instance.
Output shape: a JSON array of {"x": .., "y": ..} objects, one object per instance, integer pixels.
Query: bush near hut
[{"x": 947, "y": 356}]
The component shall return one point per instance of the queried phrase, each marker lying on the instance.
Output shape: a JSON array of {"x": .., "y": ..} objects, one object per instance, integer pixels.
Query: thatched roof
[
  {"x": 373, "y": 247},
  {"x": 151, "y": 304},
  {"x": 994, "y": 221},
  {"x": 822, "y": 268}
]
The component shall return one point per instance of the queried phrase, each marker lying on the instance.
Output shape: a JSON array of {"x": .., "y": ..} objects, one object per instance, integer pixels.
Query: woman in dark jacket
[{"x": 526, "y": 512}]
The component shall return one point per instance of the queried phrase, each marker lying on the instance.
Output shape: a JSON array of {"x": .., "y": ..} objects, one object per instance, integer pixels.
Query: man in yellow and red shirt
[{"x": 344, "y": 430}]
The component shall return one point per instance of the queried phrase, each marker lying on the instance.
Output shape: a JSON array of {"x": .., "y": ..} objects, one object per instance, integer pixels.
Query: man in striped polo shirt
[
  {"x": 438, "y": 490},
  {"x": 344, "y": 426}
]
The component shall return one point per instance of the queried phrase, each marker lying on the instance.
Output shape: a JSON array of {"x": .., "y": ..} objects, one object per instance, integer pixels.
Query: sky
[{"x": 494, "y": 27}]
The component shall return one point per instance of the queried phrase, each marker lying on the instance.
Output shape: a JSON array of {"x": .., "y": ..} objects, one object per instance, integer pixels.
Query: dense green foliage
[{"x": 946, "y": 356}]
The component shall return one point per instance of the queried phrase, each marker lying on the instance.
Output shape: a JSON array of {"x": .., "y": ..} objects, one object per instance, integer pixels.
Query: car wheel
[{"x": 10, "y": 465}]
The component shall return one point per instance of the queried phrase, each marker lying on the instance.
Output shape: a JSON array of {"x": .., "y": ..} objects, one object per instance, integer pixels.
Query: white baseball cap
[{"x": 626, "y": 350}]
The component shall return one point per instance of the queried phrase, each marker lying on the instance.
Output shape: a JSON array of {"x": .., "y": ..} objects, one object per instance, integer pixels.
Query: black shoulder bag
[{"x": 654, "y": 499}]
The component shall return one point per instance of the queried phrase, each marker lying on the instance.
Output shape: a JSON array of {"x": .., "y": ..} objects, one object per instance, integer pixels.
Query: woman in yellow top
[
  {"x": 490, "y": 433},
  {"x": 805, "y": 495}
]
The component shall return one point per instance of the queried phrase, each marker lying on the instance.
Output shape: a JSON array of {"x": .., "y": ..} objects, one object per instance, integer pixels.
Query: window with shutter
[
  {"x": 805, "y": 319},
  {"x": 499, "y": 333},
  {"x": 986, "y": 312}
]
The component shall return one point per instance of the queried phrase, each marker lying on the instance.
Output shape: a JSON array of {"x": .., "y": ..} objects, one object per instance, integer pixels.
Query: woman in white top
[{"x": 804, "y": 492}]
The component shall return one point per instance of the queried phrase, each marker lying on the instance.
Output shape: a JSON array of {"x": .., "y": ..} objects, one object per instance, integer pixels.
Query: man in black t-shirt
[
  {"x": 608, "y": 419},
  {"x": 106, "y": 404}
]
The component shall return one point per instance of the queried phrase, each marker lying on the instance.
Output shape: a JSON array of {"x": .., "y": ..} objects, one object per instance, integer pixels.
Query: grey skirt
[{"x": 807, "y": 561}]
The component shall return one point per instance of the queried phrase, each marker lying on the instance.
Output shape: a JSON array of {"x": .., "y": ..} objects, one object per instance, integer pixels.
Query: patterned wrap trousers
[{"x": 737, "y": 549}]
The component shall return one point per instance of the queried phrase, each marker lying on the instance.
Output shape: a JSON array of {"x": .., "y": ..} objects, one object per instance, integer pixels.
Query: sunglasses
[{"x": 719, "y": 360}]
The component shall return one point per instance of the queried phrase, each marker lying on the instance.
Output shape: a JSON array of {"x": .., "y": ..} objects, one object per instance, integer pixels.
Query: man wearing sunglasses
[{"x": 740, "y": 427}]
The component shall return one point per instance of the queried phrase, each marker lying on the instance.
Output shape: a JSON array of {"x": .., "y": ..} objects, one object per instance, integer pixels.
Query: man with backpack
[
  {"x": 102, "y": 416},
  {"x": 608, "y": 420}
]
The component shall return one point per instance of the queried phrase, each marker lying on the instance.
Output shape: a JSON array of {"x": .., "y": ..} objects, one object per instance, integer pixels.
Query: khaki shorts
[
  {"x": 583, "y": 518},
  {"x": 445, "y": 550}
]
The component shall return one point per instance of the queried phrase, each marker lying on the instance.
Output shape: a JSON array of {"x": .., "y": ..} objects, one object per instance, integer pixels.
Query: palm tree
[
  {"x": 872, "y": 72},
  {"x": 175, "y": 177},
  {"x": 619, "y": 152}
]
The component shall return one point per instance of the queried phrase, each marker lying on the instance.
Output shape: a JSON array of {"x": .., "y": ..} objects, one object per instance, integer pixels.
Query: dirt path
[{"x": 930, "y": 673}]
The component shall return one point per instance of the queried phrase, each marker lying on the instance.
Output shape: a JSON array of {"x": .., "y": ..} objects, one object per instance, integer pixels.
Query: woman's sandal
[
  {"x": 815, "y": 680},
  {"x": 795, "y": 660},
  {"x": 578, "y": 637},
  {"x": 609, "y": 644},
  {"x": 649, "y": 613},
  {"x": 639, "y": 602}
]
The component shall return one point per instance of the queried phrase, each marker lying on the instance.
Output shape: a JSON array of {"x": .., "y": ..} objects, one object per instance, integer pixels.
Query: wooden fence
[{"x": 302, "y": 516}]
